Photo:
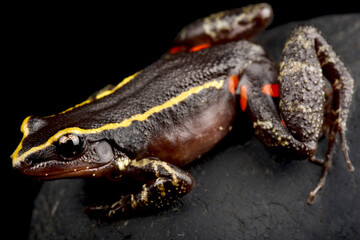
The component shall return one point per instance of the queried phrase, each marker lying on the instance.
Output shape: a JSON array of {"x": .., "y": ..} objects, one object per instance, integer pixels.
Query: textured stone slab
[{"x": 243, "y": 191}]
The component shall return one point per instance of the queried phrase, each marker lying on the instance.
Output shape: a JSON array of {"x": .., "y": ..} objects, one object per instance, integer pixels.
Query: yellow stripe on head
[{"x": 25, "y": 130}]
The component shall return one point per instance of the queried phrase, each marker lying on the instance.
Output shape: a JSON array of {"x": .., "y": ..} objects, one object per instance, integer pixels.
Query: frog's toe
[
  {"x": 119, "y": 208},
  {"x": 317, "y": 160},
  {"x": 97, "y": 211}
]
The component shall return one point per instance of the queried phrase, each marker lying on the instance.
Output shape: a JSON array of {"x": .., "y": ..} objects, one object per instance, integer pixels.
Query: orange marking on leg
[
  {"x": 199, "y": 47},
  {"x": 271, "y": 89},
  {"x": 243, "y": 97},
  {"x": 233, "y": 83},
  {"x": 283, "y": 123},
  {"x": 176, "y": 49}
]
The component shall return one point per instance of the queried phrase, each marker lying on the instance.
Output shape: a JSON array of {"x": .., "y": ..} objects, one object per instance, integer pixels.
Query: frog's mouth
[
  {"x": 98, "y": 159},
  {"x": 53, "y": 169}
]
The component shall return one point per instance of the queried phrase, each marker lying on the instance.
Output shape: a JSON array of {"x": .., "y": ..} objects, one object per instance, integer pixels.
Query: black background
[{"x": 56, "y": 55}]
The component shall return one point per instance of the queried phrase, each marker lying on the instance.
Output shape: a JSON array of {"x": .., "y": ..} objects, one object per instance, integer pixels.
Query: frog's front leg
[{"x": 164, "y": 184}]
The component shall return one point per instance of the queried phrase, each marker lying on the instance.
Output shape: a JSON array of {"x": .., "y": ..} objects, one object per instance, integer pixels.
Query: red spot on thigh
[
  {"x": 199, "y": 47},
  {"x": 271, "y": 89},
  {"x": 243, "y": 97},
  {"x": 233, "y": 83}
]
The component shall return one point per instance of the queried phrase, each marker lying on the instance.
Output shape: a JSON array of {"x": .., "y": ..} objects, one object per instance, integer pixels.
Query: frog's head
[{"x": 48, "y": 151}]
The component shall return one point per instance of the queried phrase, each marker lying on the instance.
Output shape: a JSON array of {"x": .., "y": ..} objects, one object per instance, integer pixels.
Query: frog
[{"x": 155, "y": 122}]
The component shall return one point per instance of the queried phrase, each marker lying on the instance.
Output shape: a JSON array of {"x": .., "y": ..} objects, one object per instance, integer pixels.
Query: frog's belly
[{"x": 198, "y": 126}]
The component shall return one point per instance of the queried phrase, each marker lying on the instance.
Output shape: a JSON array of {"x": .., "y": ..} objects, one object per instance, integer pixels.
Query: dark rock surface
[{"x": 243, "y": 191}]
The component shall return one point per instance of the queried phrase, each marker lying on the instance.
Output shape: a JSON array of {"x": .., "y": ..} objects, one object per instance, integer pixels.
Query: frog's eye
[{"x": 70, "y": 145}]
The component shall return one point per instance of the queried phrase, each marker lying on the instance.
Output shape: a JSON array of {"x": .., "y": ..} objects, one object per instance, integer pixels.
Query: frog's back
[
  {"x": 161, "y": 102},
  {"x": 163, "y": 80}
]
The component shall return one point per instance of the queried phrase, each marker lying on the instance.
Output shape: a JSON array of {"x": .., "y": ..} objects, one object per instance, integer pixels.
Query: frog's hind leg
[
  {"x": 342, "y": 82},
  {"x": 222, "y": 27},
  {"x": 307, "y": 57}
]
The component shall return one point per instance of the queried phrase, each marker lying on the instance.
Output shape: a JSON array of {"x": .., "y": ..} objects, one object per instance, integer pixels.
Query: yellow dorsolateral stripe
[
  {"x": 122, "y": 83},
  {"x": 100, "y": 95},
  {"x": 125, "y": 123}
]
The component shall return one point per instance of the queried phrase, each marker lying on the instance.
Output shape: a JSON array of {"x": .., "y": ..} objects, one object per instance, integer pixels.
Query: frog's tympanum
[{"x": 165, "y": 116}]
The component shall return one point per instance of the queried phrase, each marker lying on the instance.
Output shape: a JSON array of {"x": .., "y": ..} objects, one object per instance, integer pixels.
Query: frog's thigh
[
  {"x": 301, "y": 87},
  {"x": 226, "y": 26}
]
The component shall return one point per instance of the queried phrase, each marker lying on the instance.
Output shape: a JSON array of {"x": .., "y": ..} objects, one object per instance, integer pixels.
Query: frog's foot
[
  {"x": 327, "y": 164},
  {"x": 326, "y": 169},
  {"x": 307, "y": 58},
  {"x": 165, "y": 184}
]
